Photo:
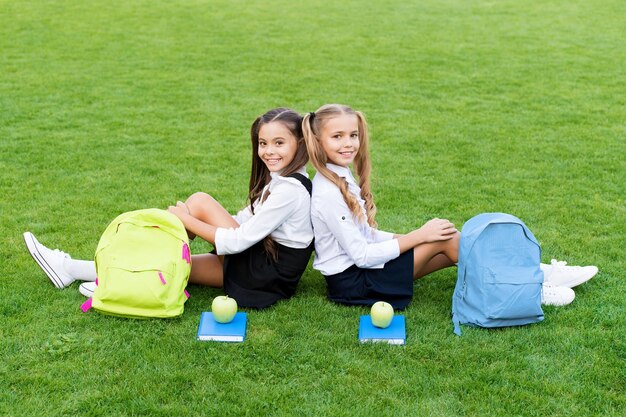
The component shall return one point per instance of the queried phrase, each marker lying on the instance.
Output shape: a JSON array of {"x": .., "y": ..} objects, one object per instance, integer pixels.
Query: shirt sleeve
[
  {"x": 380, "y": 235},
  {"x": 243, "y": 215},
  {"x": 342, "y": 225},
  {"x": 267, "y": 217}
]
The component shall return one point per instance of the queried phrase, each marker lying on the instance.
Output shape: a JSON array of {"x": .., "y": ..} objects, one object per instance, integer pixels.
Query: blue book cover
[
  {"x": 209, "y": 329},
  {"x": 395, "y": 334}
]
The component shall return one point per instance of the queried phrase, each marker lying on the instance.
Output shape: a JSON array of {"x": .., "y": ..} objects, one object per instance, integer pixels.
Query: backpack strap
[
  {"x": 457, "y": 324},
  {"x": 86, "y": 306},
  {"x": 306, "y": 183}
]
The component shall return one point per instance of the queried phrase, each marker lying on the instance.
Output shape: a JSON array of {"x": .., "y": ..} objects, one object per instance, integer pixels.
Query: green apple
[
  {"x": 224, "y": 308},
  {"x": 382, "y": 314}
]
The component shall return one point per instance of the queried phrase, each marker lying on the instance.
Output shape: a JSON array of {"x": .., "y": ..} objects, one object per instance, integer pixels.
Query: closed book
[
  {"x": 395, "y": 334},
  {"x": 209, "y": 329}
]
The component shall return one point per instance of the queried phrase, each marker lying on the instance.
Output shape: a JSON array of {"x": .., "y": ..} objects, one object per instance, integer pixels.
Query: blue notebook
[
  {"x": 395, "y": 334},
  {"x": 209, "y": 329}
]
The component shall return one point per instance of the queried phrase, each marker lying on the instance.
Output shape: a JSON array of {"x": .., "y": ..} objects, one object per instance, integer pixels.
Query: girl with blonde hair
[{"x": 360, "y": 263}]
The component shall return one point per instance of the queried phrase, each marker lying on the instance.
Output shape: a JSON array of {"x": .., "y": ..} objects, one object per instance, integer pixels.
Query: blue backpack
[{"x": 499, "y": 279}]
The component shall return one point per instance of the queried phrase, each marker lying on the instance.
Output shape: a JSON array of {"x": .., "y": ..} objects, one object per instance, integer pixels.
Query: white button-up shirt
[
  {"x": 341, "y": 240},
  {"x": 285, "y": 215}
]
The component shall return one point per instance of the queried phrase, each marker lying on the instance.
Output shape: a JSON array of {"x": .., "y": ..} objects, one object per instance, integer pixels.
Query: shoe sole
[
  {"x": 85, "y": 291},
  {"x": 29, "y": 239},
  {"x": 559, "y": 303}
]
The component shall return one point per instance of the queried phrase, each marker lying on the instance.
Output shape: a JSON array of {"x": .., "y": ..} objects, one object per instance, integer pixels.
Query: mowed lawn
[{"x": 474, "y": 106}]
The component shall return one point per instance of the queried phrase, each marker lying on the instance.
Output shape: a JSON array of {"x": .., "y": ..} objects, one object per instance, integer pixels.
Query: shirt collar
[
  {"x": 302, "y": 171},
  {"x": 343, "y": 172}
]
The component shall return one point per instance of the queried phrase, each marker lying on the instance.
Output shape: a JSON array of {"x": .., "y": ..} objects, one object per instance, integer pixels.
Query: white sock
[{"x": 80, "y": 270}]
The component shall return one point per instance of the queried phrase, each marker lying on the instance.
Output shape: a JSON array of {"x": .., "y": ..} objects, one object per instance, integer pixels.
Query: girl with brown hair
[{"x": 263, "y": 250}]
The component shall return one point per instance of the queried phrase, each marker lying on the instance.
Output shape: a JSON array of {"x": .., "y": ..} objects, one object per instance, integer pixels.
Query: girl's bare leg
[
  {"x": 207, "y": 269},
  {"x": 436, "y": 263},
  {"x": 204, "y": 207},
  {"x": 430, "y": 257}
]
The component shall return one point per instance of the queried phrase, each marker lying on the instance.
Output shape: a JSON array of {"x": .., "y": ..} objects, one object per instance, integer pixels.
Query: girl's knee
[
  {"x": 453, "y": 248},
  {"x": 199, "y": 198},
  {"x": 196, "y": 202}
]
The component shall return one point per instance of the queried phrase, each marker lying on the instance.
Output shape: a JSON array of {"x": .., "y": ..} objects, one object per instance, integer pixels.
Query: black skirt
[
  {"x": 255, "y": 280},
  {"x": 362, "y": 286}
]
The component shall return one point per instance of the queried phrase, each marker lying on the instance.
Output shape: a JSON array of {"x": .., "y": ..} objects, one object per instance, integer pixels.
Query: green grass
[{"x": 474, "y": 106}]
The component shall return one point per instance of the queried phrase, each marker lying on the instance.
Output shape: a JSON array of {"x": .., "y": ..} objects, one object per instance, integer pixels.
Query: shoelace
[{"x": 561, "y": 264}]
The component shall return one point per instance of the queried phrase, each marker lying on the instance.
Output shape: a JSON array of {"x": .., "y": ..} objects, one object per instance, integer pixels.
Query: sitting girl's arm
[
  {"x": 192, "y": 224},
  {"x": 282, "y": 202},
  {"x": 335, "y": 216},
  {"x": 432, "y": 231},
  {"x": 274, "y": 211},
  {"x": 338, "y": 219}
]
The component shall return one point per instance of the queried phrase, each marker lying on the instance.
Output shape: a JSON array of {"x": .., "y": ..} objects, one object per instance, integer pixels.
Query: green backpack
[{"x": 143, "y": 264}]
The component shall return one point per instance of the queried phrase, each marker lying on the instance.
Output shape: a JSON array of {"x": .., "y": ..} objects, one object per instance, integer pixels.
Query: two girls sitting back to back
[{"x": 263, "y": 251}]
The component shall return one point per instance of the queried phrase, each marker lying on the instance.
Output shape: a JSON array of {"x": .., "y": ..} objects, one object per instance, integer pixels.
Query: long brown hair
[
  {"x": 312, "y": 125},
  {"x": 260, "y": 174}
]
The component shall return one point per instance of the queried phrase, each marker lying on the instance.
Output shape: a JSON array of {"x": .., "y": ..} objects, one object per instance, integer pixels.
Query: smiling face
[
  {"x": 277, "y": 146},
  {"x": 339, "y": 138}
]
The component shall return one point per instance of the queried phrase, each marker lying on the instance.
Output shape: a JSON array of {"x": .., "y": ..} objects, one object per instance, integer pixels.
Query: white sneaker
[
  {"x": 51, "y": 261},
  {"x": 87, "y": 288},
  {"x": 553, "y": 295},
  {"x": 559, "y": 274}
]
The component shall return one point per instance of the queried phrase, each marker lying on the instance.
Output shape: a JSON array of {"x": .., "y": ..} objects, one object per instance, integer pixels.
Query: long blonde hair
[{"x": 312, "y": 125}]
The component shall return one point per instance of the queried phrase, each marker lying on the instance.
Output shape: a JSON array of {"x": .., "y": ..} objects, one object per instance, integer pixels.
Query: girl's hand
[
  {"x": 437, "y": 229},
  {"x": 180, "y": 209}
]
